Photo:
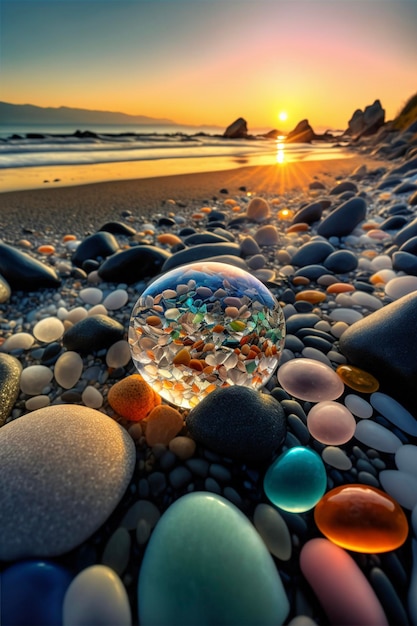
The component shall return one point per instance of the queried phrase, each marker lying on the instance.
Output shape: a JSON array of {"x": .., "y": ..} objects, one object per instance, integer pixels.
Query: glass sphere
[{"x": 203, "y": 326}]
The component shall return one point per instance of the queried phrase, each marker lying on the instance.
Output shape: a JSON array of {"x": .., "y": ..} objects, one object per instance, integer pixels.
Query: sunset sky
[{"x": 210, "y": 61}]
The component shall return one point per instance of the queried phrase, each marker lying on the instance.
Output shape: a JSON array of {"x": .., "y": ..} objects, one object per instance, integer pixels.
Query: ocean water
[{"x": 116, "y": 144}]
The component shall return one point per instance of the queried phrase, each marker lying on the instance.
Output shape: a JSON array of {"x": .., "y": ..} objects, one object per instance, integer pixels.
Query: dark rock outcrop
[
  {"x": 237, "y": 130},
  {"x": 302, "y": 133},
  {"x": 367, "y": 122}
]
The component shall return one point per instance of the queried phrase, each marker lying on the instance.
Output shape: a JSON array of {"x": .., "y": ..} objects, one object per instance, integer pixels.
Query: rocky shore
[{"x": 119, "y": 508}]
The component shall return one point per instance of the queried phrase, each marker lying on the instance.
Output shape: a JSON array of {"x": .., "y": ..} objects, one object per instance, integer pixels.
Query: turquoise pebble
[
  {"x": 296, "y": 480},
  {"x": 206, "y": 564}
]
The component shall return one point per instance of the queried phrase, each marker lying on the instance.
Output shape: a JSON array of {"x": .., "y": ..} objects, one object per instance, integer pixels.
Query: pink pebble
[
  {"x": 308, "y": 379},
  {"x": 340, "y": 585},
  {"x": 331, "y": 423}
]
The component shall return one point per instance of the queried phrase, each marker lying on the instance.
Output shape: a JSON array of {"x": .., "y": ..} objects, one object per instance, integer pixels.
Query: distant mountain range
[{"x": 19, "y": 114}]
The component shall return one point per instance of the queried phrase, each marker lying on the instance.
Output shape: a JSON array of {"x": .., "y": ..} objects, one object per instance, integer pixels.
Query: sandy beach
[{"x": 86, "y": 206}]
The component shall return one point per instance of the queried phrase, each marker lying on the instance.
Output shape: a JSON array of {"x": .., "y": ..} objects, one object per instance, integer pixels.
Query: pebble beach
[{"x": 293, "y": 502}]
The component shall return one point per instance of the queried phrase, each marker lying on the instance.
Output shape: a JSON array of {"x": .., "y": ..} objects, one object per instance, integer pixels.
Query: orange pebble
[
  {"x": 298, "y": 228},
  {"x": 205, "y": 209},
  {"x": 218, "y": 328},
  {"x": 46, "y": 249},
  {"x": 369, "y": 226},
  {"x": 197, "y": 365},
  {"x": 285, "y": 214},
  {"x": 162, "y": 425},
  {"x": 182, "y": 357},
  {"x": 168, "y": 239},
  {"x": 69, "y": 238},
  {"x": 369, "y": 254},
  {"x": 357, "y": 379},
  {"x": 340, "y": 288},
  {"x": 230, "y": 202},
  {"x": 133, "y": 398},
  {"x": 153, "y": 320},
  {"x": 300, "y": 280},
  {"x": 310, "y": 295},
  {"x": 197, "y": 216},
  {"x": 236, "y": 208}
]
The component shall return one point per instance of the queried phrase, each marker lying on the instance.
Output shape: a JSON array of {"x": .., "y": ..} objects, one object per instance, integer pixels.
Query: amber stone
[
  {"x": 361, "y": 518},
  {"x": 310, "y": 295},
  {"x": 357, "y": 379}
]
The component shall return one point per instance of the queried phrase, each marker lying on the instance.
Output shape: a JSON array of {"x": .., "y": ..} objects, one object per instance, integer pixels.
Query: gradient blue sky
[{"x": 210, "y": 61}]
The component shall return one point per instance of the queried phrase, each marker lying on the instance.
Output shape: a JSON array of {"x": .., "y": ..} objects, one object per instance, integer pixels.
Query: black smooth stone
[
  {"x": 315, "y": 332},
  {"x": 405, "y": 167},
  {"x": 302, "y": 306},
  {"x": 51, "y": 353},
  {"x": 410, "y": 246},
  {"x": 341, "y": 221},
  {"x": 405, "y": 262},
  {"x": 362, "y": 286},
  {"x": 134, "y": 264},
  {"x": 118, "y": 228},
  {"x": 318, "y": 343},
  {"x": 93, "y": 333},
  {"x": 90, "y": 265},
  {"x": 97, "y": 246},
  {"x": 187, "y": 230},
  {"x": 204, "y": 237},
  {"x": 252, "y": 435},
  {"x": 390, "y": 181},
  {"x": 399, "y": 208},
  {"x": 341, "y": 261},
  {"x": 346, "y": 185},
  {"x": 308, "y": 214},
  {"x": 312, "y": 252},
  {"x": 394, "y": 222},
  {"x": 405, "y": 187},
  {"x": 293, "y": 343},
  {"x": 406, "y": 233},
  {"x": 200, "y": 252},
  {"x": 166, "y": 221},
  {"x": 23, "y": 272},
  {"x": 316, "y": 184},
  {"x": 301, "y": 320},
  {"x": 312, "y": 272},
  {"x": 216, "y": 216},
  {"x": 387, "y": 595},
  {"x": 384, "y": 343}
]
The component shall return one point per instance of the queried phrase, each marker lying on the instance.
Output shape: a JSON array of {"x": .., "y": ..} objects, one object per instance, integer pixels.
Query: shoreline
[{"x": 87, "y": 206}]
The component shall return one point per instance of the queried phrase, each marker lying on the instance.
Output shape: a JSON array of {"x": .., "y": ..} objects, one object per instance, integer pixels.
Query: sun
[{"x": 283, "y": 116}]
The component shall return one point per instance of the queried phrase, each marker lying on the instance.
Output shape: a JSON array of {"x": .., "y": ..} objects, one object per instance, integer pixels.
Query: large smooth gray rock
[
  {"x": 343, "y": 219},
  {"x": 385, "y": 344},
  {"x": 64, "y": 469},
  {"x": 10, "y": 370}
]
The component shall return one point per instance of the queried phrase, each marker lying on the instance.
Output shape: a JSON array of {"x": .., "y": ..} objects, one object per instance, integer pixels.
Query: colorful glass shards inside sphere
[{"x": 203, "y": 326}]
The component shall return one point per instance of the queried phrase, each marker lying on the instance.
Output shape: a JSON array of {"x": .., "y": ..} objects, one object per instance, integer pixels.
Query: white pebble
[
  {"x": 62, "y": 313},
  {"x": 68, "y": 369},
  {"x": 77, "y": 314},
  {"x": 49, "y": 329},
  {"x": 37, "y": 402},
  {"x": 366, "y": 300},
  {"x": 338, "y": 329},
  {"x": 381, "y": 262},
  {"x": 349, "y": 316},
  {"x": 92, "y": 397},
  {"x": 116, "y": 299},
  {"x": 384, "y": 276},
  {"x": 376, "y": 436},
  {"x": 400, "y": 486},
  {"x": 94, "y": 277},
  {"x": 401, "y": 286},
  {"x": 334, "y": 456},
  {"x": 394, "y": 412},
  {"x": 358, "y": 406},
  {"x": 98, "y": 309},
  {"x": 97, "y": 597},
  {"x": 19, "y": 341},
  {"x": 406, "y": 459},
  {"x": 34, "y": 379},
  {"x": 118, "y": 355},
  {"x": 274, "y": 531},
  {"x": 91, "y": 295}
]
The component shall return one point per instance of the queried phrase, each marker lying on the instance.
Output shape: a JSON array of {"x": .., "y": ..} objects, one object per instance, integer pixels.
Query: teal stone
[
  {"x": 206, "y": 564},
  {"x": 296, "y": 480}
]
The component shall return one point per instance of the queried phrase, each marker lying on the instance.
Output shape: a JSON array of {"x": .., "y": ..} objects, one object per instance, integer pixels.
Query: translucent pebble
[
  {"x": 357, "y": 379},
  {"x": 91, "y": 295},
  {"x": 92, "y": 397},
  {"x": 311, "y": 380},
  {"x": 34, "y": 379},
  {"x": 118, "y": 355},
  {"x": 227, "y": 329},
  {"x": 361, "y": 518},
  {"x": 77, "y": 314},
  {"x": 336, "y": 458},
  {"x": 376, "y": 436},
  {"x": 336, "y": 580},
  {"x": 394, "y": 412},
  {"x": 49, "y": 329},
  {"x": 366, "y": 300},
  {"x": 274, "y": 531},
  {"x": 37, "y": 402},
  {"x": 19, "y": 341},
  {"x": 116, "y": 299},
  {"x": 382, "y": 276},
  {"x": 406, "y": 459},
  {"x": 349, "y": 316},
  {"x": 68, "y": 369},
  {"x": 401, "y": 286},
  {"x": 358, "y": 406},
  {"x": 331, "y": 423},
  {"x": 401, "y": 486},
  {"x": 296, "y": 480}
]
